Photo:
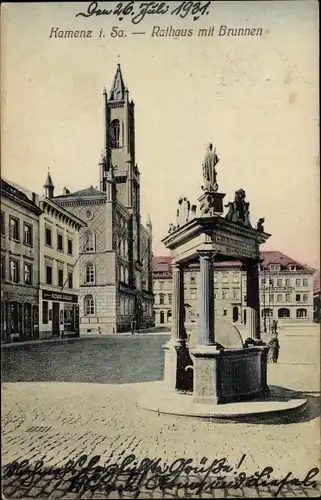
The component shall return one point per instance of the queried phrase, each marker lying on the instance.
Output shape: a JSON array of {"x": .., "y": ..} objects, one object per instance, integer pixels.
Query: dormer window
[
  {"x": 292, "y": 267},
  {"x": 274, "y": 267}
]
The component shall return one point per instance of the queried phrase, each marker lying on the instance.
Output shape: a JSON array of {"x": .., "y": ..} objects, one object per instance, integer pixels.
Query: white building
[
  {"x": 58, "y": 268},
  {"x": 286, "y": 291}
]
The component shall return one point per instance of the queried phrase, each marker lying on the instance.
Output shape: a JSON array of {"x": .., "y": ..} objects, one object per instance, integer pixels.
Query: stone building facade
[
  {"x": 116, "y": 285},
  {"x": 58, "y": 268},
  {"x": 19, "y": 265},
  {"x": 286, "y": 291}
]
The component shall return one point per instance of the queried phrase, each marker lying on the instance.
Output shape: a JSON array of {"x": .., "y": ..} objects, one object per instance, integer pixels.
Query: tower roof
[
  {"x": 117, "y": 92},
  {"x": 49, "y": 183}
]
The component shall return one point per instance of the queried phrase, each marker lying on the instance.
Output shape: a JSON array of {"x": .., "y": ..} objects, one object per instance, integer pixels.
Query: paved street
[{"x": 64, "y": 399}]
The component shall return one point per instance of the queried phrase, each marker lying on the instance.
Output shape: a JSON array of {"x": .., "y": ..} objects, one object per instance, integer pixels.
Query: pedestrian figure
[
  {"x": 274, "y": 349},
  {"x": 132, "y": 326},
  {"x": 275, "y": 326}
]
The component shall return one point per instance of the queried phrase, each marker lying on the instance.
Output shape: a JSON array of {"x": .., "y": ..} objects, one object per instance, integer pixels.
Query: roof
[
  {"x": 12, "y": 192},
  {"x": 82, "y": 193},
  {"x": 117, "y": 92},
  {"x": 49, "y": 182},
  {"x": 162, "y": 264}
]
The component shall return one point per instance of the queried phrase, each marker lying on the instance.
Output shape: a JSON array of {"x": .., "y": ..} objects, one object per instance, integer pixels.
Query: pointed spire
[
  {"x": 49, "y": 186},
  {"x": 117, "y": 92},
  {"x": 149, "y": 223}
]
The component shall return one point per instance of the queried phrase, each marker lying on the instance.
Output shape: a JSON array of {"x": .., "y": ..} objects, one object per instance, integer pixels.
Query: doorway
[
  {"x": 55, "y": 319},
  {"x": 235, "y": 314}
]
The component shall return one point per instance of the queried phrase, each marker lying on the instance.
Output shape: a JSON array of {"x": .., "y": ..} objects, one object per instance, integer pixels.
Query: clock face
[{"x": 89, "y": 214}]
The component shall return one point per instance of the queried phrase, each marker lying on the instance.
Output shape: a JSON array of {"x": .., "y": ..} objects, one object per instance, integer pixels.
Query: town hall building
[{"x": 116, "y": 277}]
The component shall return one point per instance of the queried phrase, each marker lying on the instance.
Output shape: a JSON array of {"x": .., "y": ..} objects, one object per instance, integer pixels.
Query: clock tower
[{"x": 119, "y": 156}]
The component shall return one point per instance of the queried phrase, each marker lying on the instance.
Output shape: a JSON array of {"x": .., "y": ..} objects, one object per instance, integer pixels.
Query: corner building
[{"x": 116, "y": 284}]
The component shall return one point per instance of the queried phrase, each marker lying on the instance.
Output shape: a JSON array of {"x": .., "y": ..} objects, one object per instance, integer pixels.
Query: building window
[
  {"x": 288, "y": 282},
  {"x": 225, "y": 278},
  {"x": 161, "y": 285},
  {"x": 48, "y": 237},
  {"x": 28, "y": 274},
  {"x": 70, "y": 279},
  {"x": 90, "y": 273},
  {"x": 236, "y": 278},
  {"x": 69, "y": 246},
  {"x": 60, "y": 278},
  {"x": 89, "y": 305},
  {"x": 169, "y": 298},
  {"x": 193, "y": 295},
  {"x": 45, "y": 312},
  {"x": 235, "y": 294},
  {"x": 271, "y": 298},
  {"x": 215, "y": 278},
  {"x": 14, "y": 271},
  {"x": 279, "y": 297},
  {"x": 271, "y": 282},
  {"x": 298, "y": 282},
  {"x": 27, "y": 234},
  {"x": 298, "y": 297},
  {"x": 305, "y": 297},
  {"x": 14, "y": 229},
  {"x": 305, "y": 282},
  {"x": 161, "y": 299},
  {"x": 283, "y": 313},
  {"x": 224, "y": 312},
  {"x": 49, "y": 275},
  {"x": 3, "y": 268},
  {"x": 115, "y": 134},
  {"x": 225, "y": 294},
  {"x": 193, "y": 280},
  {"x": 263, "y": 281},
  {"x": 279, "y": 283},
  {"x": 267, "y": 312},
  {"x": 292, "y": 268},
  {"x": 287, "y": 297},
  {"x": 3, "y": 224},
  {"x": 60, "y": 242},
  {"x": 301, "y": 313},
  {"x": 89, "y": 241}
]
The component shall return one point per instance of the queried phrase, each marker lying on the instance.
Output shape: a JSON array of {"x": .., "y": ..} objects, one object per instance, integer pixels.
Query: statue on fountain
[
  {"x": 209, "y": 172},
  {"x": 239, "y": 209}
]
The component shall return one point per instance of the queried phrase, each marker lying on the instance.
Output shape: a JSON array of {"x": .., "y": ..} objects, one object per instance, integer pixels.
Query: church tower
[{"x": 119, "y": 155}]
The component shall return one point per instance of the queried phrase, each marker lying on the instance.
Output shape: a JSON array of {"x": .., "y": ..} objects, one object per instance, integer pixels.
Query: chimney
[{"x": 65, "y": 191}]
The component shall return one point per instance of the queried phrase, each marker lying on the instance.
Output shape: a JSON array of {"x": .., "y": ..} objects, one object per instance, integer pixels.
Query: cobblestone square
[{"x": 65, "y": 399}]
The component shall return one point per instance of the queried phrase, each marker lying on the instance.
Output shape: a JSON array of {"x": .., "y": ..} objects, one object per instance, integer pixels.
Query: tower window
[{"x": 115, "y": 134}]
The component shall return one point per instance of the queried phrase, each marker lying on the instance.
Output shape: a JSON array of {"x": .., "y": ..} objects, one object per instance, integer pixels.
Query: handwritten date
[{"x": 138, "y": 12}]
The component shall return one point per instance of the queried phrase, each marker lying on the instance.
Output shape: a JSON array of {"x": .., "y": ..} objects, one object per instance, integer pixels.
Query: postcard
[{"x": 160, "y": 237}]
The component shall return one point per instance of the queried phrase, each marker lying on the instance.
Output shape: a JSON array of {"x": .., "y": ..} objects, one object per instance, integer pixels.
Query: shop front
[
  {"x": 19, "y": 316},
  {"x": 59, "y": 315}
]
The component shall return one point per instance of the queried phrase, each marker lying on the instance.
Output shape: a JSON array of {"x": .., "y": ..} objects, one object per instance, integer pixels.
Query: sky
[{"x": 255, "y": 98}]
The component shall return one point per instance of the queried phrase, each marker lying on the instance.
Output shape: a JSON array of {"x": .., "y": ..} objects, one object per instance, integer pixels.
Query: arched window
[
  {"x": 89, "y": 241},
  {"x": 89, "y": 306},
  {"x": 301, "y": 313},
  {"x": 267, "y": 312},
  {"x": 90, "y": 273},
  {"x": 161, "y": 317},
  {"x": 169, "y": 316},
  {"x": 283, "y": 313},
  {"x": 115, "y": 134}
]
